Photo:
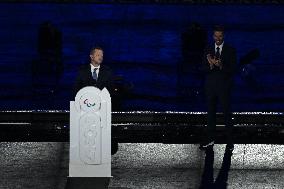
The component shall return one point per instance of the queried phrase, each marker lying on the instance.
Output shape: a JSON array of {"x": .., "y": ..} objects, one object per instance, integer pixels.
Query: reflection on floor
[{"x": 170, "y": 166}]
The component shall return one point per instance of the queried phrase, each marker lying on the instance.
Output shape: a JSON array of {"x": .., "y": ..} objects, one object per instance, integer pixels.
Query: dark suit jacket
[
  {"x": 84, "y": 78},
  {"x": 220, "y": 78}
]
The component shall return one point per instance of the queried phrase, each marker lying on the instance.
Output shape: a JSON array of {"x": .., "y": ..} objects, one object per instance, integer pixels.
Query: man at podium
[{"x": 95, "y": 73}]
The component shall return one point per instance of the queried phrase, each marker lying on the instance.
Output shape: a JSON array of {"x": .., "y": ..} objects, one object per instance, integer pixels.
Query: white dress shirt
[
  {"x": 220, "y": 47},
  {"x": 93, "y": 68}
]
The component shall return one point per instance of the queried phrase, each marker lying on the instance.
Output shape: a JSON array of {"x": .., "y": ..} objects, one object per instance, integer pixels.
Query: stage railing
[{"x": 144, "y": 126}]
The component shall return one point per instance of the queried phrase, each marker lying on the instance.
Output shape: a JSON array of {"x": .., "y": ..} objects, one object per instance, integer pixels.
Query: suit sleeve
[
  {"x": 77, "y": 84},
  {"x": 231, "y": 63},
  {"x": 109, "y": 82},
  {"x": 205, "y": 67}
]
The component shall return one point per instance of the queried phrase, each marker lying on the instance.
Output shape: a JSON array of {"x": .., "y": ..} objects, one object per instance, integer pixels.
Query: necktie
[
  {"x": 95, "y": 77},
  {"x": 217, "y": 54}
]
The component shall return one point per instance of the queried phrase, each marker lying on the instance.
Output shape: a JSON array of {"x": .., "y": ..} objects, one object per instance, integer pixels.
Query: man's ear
[{"x": 91, "y": 56}]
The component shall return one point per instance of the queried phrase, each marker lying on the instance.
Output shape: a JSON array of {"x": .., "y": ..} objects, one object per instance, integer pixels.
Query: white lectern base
[{"x": 89, "y": 171}]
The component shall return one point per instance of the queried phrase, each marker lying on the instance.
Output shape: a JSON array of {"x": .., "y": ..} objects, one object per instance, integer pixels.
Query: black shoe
[
  {"x": 230, "y": 147},
  {"x": 218, "y": 185},
  {"x": 207, "y": 186},
  {"x": 206, "y": 145}
]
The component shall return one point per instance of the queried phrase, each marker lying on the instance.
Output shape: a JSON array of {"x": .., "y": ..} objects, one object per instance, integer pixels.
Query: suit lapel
[
  {"x": 223, "y": 51},
  {"x": 89, "y": 73},
  {"x": 101, "y": 74}
]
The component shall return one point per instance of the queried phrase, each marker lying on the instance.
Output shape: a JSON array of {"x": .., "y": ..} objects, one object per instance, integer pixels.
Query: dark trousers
[{"x": 222, "y": 95}]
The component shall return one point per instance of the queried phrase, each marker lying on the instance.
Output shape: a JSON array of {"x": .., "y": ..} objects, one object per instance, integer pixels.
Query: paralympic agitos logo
[{"x": 89, "y": 104}]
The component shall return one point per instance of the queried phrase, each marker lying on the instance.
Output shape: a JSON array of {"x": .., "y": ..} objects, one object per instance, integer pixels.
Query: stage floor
[{"x": 161, "y": 166}]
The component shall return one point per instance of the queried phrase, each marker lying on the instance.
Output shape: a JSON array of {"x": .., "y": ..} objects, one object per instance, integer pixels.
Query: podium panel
[{"x": 90, "y": 134}]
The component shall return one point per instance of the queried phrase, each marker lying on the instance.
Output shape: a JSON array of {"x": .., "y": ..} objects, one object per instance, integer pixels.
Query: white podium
[{"x": 90, "y": 138}]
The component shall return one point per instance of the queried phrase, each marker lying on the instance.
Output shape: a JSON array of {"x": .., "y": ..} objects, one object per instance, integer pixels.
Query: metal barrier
[{"x": 144, "y": 126}]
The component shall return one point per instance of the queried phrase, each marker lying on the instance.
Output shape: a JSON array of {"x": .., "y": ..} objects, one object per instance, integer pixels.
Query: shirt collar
[
  {"x": 220, "y": 46},
  {"x": 93, "y": 67}
]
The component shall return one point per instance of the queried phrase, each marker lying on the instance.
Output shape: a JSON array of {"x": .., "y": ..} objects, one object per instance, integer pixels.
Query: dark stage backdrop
[{"x": 154, "y": 51}]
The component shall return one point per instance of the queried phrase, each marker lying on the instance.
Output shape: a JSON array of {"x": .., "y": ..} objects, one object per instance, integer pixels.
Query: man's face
[
  {"x": 97, "y": 56},
  {"x": 218, "y": 37}
]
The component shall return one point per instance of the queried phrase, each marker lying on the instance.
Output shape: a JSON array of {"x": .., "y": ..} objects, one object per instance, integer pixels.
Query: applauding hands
[{"x": 214, "y": 61}]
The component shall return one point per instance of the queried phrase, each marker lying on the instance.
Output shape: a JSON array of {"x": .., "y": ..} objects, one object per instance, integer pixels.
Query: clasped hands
[{"x": 214, "y": 61}]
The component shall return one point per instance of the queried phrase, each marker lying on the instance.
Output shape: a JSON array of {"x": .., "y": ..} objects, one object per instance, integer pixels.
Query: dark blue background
[{"x": 143, "y": 47}]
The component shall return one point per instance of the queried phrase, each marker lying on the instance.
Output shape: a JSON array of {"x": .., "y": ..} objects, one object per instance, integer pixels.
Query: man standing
[
  {"x": 219, "y": 62},
  {"x": 94, "y": 74}
]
